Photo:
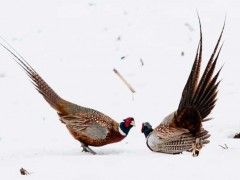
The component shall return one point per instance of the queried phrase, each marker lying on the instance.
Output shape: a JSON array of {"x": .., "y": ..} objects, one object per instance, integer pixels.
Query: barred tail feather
[
  {"x": 192, "y": 82},
  {"x": 202, "y": 96},
  {"x": 205, "y": 97},
  {"x": 41, "y": 86}
]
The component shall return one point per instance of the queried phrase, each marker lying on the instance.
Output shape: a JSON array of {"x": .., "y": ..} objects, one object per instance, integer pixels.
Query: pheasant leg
[
  {"x": 87, "y": 149},
  {"x": 196, "y": 147}
]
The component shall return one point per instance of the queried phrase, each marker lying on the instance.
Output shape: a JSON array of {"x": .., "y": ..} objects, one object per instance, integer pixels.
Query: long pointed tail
[
  {"x": 41, "y": 86},
  {"x": 202, "y": 95}
]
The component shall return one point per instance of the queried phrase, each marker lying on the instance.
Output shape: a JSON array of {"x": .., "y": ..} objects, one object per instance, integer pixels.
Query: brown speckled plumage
[
  {"x": 86, "y": 125},
  {"x": 179, "y": 130}
]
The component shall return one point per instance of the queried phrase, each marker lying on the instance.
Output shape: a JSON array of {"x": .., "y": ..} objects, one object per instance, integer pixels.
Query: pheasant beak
[{"x": 133, "y": 123}]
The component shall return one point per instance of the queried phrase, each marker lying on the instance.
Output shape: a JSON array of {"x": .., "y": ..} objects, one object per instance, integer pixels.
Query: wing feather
[{"x": 89, "y": 125}]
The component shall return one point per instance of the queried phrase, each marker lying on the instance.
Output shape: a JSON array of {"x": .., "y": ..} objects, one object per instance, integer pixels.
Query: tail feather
[
  {"x": 41, "y": 86},
  {"x": 202, "y": 95},
  {"x": 208, "y": 110},
  {"x": 189, "y": 90},
  {"x": 209, "y": 96},
  {"x": 206, "y": 77},
  {"x": 210, "y": 89},
  {"x": 207, "y": 89},
  {"x": 191, "y": 85}
]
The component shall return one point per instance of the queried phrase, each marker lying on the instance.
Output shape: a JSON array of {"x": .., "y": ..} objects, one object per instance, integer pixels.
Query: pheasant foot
[
  {"x": 87, "y": 149},
  {"x": 196, "y": 147}
]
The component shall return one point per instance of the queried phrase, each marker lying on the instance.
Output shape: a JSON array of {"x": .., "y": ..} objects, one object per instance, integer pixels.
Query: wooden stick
[{"x": 124, "y": 80}]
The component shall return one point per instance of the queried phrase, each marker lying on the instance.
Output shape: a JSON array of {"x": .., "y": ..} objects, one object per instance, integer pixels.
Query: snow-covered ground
[{"x": 75, "y": 45}]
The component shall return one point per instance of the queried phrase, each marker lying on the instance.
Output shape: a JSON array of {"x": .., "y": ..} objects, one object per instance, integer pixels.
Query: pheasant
[
  {"x": 88, "y": 126},
  {"x": 182, "y": 130}
]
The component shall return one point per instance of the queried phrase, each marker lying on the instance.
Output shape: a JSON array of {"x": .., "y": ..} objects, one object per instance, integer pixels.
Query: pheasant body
[
  {"x": 88, "y": 126},
  {"x": 100, "y": 129},
  {"x": 183, "y": 130}
]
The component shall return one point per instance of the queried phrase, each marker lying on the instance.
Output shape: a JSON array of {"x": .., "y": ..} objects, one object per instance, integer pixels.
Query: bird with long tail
[
  {"x": 183, "y": 129},
  {"x": 88, "y": 126}
]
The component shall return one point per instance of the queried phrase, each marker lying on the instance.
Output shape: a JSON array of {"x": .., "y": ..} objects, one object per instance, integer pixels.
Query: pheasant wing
[{"x": 95, "y": 126}]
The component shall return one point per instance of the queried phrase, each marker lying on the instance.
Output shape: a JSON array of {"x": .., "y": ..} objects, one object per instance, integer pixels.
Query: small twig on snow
[
  {"x": 142, "y": 63},
  {"x": 224, "y": 147},
  {"x": 24, "y": 171}
]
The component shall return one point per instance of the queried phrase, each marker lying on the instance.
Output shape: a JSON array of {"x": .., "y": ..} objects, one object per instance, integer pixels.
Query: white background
[{"x": 74, "y": 45}]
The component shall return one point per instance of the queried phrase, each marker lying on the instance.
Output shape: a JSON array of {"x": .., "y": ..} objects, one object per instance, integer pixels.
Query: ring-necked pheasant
[
  {"x": 182, "y": 130},
  {"x": 88, "y": 126}
]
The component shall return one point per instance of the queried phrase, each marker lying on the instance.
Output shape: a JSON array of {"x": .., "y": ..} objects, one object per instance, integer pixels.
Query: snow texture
[{"x": 75, "y": 45}]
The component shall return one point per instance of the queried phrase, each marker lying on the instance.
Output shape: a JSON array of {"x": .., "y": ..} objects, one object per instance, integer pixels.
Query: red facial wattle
[
  {"x": 128, "y": 121},
  {"x": 142, "y": 127}
]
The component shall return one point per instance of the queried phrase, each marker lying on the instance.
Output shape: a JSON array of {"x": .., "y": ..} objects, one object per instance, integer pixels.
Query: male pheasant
[
  {"x": 182, "y": 130},
  {"x": 88, "y": 126}
]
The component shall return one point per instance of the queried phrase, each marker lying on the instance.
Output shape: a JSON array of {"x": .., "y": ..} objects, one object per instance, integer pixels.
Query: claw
[{"x": 196, "y": 147}]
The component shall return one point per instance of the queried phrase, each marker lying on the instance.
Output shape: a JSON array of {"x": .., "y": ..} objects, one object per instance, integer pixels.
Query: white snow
[{"x": 75, "y": 45}]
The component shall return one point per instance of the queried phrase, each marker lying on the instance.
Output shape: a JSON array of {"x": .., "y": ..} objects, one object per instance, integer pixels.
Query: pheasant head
[
  {"x": 126, "y": 125},
  {"x": 146, "y": 128}
]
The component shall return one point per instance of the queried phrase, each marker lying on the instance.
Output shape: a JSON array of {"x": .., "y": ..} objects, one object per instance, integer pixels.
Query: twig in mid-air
[{"x": 124, "y": 80}]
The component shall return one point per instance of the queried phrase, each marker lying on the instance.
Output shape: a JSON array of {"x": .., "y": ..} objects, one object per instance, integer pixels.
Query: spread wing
[
  {"x": 201, "y": 96},
  {"x": 93, "y": 125}
]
